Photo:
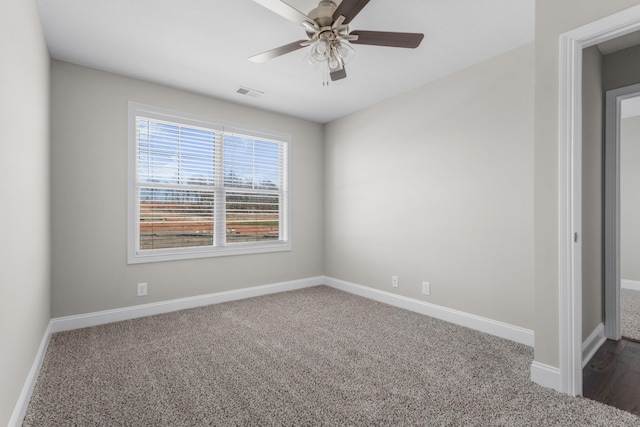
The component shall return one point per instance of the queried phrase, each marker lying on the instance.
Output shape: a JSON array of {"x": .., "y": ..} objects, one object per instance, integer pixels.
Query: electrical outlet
[
  {"x": 142, "y": 289},
  {"x": 394, "y": 281},
  {"x": 426, "y": 288}
]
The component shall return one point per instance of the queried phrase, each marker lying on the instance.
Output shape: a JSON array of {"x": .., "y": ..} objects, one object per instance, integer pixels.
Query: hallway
[{"x": 612, "y": 376}]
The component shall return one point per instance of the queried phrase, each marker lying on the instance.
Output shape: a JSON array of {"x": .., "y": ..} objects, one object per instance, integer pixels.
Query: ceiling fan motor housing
[{"x": 323, "y": 14}]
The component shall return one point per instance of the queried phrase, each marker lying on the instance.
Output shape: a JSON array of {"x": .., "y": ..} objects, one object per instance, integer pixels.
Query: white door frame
[
  {"x": 612, "y": 209},
  {"x": 570, "y": 185}
]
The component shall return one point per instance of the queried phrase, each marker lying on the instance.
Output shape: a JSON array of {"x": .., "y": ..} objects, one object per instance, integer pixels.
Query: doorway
[{"x": 572, "y": 44}]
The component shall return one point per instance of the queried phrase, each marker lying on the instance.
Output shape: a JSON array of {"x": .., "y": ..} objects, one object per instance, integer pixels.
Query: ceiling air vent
[{"x": 249, "y": 92}]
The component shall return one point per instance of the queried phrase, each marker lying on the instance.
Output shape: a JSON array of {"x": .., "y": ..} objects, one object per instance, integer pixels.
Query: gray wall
[
  {"x": 622, "y": 68},
  {"x": 552, "y": 19},
  {"x": 89, "y": 198},
  {"x": 437, "y": 185},
  {"x": 592, "y": 192},
  {"x": 24, "y": 191},
  {"x": 630, "y": 199}
]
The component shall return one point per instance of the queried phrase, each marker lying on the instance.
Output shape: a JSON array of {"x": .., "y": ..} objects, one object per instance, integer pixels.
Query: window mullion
[
  {"x": 282, "y": 185},
  {"x": 180, "y": 181},
  {"x": 137, "y": 180},
  {"x": 137, "y": 218},
  {"x": 219, "y": 219}
]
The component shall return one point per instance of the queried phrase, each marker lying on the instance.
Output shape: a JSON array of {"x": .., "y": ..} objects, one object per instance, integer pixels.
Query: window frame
[{"x": 136, "y": 256}]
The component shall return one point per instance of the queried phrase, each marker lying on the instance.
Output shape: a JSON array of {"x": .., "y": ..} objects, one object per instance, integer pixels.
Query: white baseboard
[
  {"x": 630, "y": 284},
  {"x": 109, "y": 316},
  {"x": 545, "y": 375},
  {"x": 592, "y": 343},
  {"x": 549, "y": 376},
  {"x": 482, "y": 324},
  {"x": 20, "y": 409}
]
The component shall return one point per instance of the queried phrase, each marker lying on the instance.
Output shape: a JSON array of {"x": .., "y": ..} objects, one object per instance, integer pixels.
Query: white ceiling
[{"x": 203, "y": 46}]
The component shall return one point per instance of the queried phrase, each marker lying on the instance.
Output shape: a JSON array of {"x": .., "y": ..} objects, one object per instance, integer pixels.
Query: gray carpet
[
  {"x": 630, "y": 314},
  {"x": 312, "y": 357}
]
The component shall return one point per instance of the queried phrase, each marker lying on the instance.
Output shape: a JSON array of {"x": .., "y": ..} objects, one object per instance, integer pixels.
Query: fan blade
[
  {"x": 349, "y": 9},
  {"x": 382, "y": 38},
  {"x": 286, "y": 11},
  {"x": 338, "y": 74},
  {"x": 273, "y": 53}
]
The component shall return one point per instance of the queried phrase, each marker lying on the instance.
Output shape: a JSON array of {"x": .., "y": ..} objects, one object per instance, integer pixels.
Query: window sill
[{"x": 191, "y": 253}]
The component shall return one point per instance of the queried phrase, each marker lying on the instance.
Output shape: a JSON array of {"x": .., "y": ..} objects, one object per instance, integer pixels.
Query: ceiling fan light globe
[
  {"x": 346, "y": 52},
  {"x": 311, "y": 60},
  {"x": 317, "y": 55},
  {"x": 333, "y": 63},
  {"x": 321, "y": 47}
]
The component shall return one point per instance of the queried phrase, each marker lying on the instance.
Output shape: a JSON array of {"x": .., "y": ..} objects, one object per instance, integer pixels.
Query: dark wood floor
[{"x": 612, "y": 376}]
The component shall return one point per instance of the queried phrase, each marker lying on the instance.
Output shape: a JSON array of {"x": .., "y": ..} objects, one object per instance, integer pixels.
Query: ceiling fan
[{"x": 327, "y": 28}]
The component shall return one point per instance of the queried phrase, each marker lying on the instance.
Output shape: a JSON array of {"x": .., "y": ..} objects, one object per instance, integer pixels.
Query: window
[{"x": 201, "y": 188}]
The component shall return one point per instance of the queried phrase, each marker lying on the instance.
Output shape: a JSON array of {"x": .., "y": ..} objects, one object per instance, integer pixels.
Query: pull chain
[{"x": 325, "y": 74}]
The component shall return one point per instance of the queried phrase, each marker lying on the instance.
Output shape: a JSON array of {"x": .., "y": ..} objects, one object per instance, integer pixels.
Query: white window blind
[
  {"x": 175, "y": 184},
  {"x": 254, "y": 185},
  {"x": 199, "y": 190}
]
